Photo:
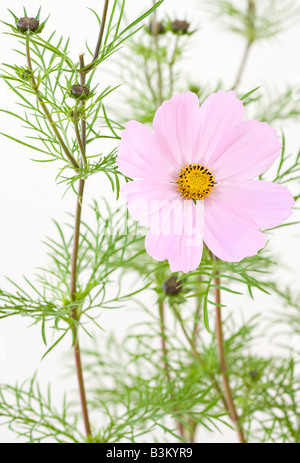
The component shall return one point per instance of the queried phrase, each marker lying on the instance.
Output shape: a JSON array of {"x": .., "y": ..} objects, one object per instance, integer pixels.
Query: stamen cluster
[{"x": 195, "y": 182}]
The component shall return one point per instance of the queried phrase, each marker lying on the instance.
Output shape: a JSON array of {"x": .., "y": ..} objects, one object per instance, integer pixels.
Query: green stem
[
  {"x": 242, "y": 65},
  {"x": 75, "y": 314},
  {"x": 163, "y": 339},
  {"x": 198, "y": 356},
  {"x": 78, "y": 363},
  {"x": 75, "y": 245},
  {"x": 148, "y": 80},
  {"x": 46, "y": 112},
  {"x": 223, "y": 366},
  {"x": 83, "y": 121},
  {"x": 164, "y": 356},
  {"x": 171, "y": 66},
  {"x": 100, "y": 37},
  {"x": 80, "y": 144},
  {"x": 197, "y": 315},
  {"x": 101, "y": 32},
  {"x": 156, "y": 44},
  {"x": 250, "y": 41}
]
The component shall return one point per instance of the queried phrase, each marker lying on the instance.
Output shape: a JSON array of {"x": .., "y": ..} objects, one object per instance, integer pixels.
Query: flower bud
[
  {"x": 179, "y": 26},
  {"x": 28, "y": 25},
  {"x": 156, "y": 28},
  {"x": 172, "y": 286},
  {"x": 253, "y": 374},
  {"x": 26, "y": 75},
  {"x": 79, "y": 92},
  {"x": 195, "y": 89}
]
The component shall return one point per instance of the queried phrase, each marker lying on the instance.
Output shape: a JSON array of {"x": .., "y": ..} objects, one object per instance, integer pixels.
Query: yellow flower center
[{"x": 195, "y": 182}]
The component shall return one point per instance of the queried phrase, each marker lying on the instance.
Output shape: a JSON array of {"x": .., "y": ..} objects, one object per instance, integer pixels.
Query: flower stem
[
  {"x": 197, "y": 315},
  {"x": 83, "y": 120},
  {"x": 164, "y": 356},
  {"x": 82, "y": 144},
  {"x": 46, "y": 112},
  {"x": 75, "y": 314},
  {"x": 156, "y": 44},
  {"x": 163, "y": 339},
  {"x": 250, "y": 40},
  {"x": 242, "y": 65},
  {"x": 148, "y": 79},
  {"x": 171, "y": 66},
  {"x": 223, "y": 366},
  {"x": 198, "y": 356},
  {"x": 100, "y": 37}
]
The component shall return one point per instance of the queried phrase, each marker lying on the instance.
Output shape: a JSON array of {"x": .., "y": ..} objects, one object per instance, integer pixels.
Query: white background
[{"x": 29, "y": 197}]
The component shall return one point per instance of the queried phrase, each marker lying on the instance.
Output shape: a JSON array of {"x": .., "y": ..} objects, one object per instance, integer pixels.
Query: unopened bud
[
  {"x": 28, "y": 24},
  {"x": 26, "y": 75},
  {"x": 156, "y": 28},
  {"x": 172, "y": 286},
  {"x": 253, "y": 374},
  {"x": 180, "y": 26},
  {"x": 78, "y": 91},
  {"x": 195, "y": 89}
]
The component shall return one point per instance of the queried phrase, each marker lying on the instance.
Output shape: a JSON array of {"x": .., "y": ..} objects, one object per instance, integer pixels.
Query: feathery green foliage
[{"x": 161, "y": 379}]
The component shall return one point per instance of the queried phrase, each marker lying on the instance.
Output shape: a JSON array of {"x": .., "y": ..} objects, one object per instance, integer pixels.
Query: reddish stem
[{"x": 223, "y": 366}]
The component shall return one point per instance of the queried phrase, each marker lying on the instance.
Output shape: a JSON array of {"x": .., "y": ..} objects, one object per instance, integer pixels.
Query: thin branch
[
  {"x": 156, "y": 44},
  {"x": 164, "y": 356},
  {"x": 101, "y": 32},
  {"x": 250, "y": 41},
  {"x": 163, "y": 338},
  {"x": 75, "y": 314},
  {"x": 46, "y": 112},
  {"x": 83, "y": 121},
  {"x": 171, "y": 66},
  {"x": 197, "y": 315},
  {"x": 222, "y": 357},
  {"x": 80, "y": 144},
  {"x": 198, "y": 356},
  {"x": 100, "y": 37},
  {"x": 242, "y": 65},
  {"x": 148, "y": 79}
]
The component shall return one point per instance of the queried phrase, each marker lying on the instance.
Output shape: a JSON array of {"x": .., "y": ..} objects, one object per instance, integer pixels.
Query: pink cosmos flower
[{"x": 193, "y": 180}]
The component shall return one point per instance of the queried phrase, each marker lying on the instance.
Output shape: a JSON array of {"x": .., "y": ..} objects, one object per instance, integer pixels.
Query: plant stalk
[
  {"x": 163, "y": 339},
  {"x": 250, "y": 41},
  {"x": 198, "y": 356},
  {"x": 46, "y": 112},
  {"x": 101, "y": 32},
  {"x": 81, "y": 139},
  {"x": 83, "y": 120},
  {"x": 242, "y": 65},
  {"x": 156, "y": 44},
  {"x": 164, "y": 356},
  {"x": 82, "y": 144},
  {"x": 75, "y": 314},
  {"x": 99, "y": 41},
  {"x": 223, "y": 366}
]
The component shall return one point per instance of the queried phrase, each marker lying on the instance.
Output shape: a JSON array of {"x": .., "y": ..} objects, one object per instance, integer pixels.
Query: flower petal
[
  {"x": 146, "y": 198},
  {"x": 268, "y": 204},
  {"x": 189, "y": 247},
  {"x": 176, "y": 126},
  {"x": 229, "y": 233},
  {"x": 247, "y": 151},
  {"x": 178, "y": 239},
  {"x": 220, "y": 112},
  {"x": 140, "y": 156}
]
